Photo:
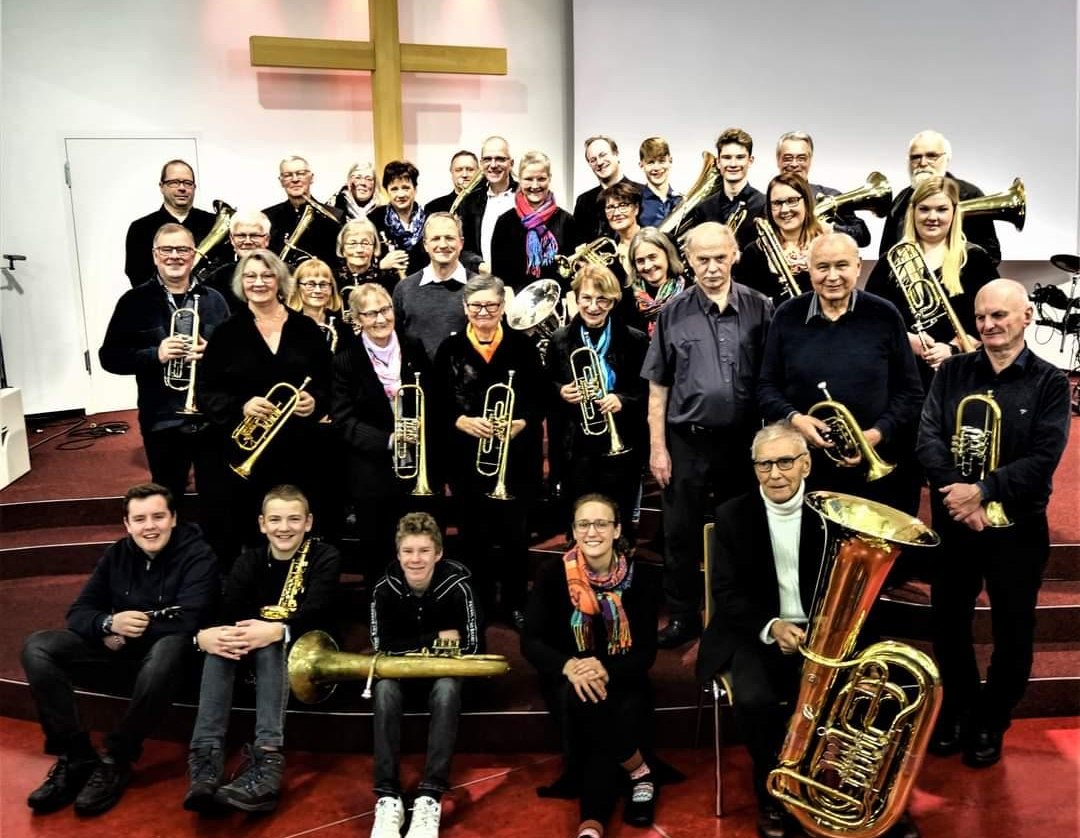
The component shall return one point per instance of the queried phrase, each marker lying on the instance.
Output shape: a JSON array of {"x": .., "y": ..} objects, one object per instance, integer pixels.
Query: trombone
[
  {"x": 180, "y": 372},
  {"x": 589, "y": 378},
  {"x": 410, "y": 437},
  {"x": 851, "y": 446},
  {"x": 924, "y": 295},
  {"x": 492, "y": 454},
  {"x": 778, "y": 263},
  {"x": 976, "y": 450},
  {"x": 254, "y": 433}
]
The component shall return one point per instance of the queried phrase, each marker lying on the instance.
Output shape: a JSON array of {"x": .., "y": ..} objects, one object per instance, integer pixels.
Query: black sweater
[
  {"x": 508, "y": 248},
  {"x": 403, "y": 622},
  {"x": 138, "y": 247}
]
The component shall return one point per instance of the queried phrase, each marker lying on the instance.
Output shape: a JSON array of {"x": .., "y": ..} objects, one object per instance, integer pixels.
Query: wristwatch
[{"x": 106, "y": 625}]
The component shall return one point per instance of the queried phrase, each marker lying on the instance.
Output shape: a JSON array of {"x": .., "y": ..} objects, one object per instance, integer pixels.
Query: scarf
[
  {"x": 386, "y": 361},
  {"x": 485, "y": 350},
  {"x": 405, "y": 239},
  {"x": 598, "y": 593},
  {"x": 353, "y": 210},
  {"x": 541, "y": 246},
  {"x": 601, "y": 348},
  {"x": 650, "y": 306}
]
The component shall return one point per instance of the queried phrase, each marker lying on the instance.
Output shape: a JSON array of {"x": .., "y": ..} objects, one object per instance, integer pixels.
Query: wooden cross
[{"x": 386, "y": 58}]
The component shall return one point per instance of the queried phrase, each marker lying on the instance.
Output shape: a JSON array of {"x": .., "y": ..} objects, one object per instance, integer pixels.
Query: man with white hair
[
  {"x": 320, "y": 237},
  {"x": 248, "y": 230}
]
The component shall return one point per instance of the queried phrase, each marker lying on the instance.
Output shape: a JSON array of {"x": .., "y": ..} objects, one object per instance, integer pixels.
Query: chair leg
[
  {"x": 700, "y": 714},
  {"x": 718, "y": 753}
]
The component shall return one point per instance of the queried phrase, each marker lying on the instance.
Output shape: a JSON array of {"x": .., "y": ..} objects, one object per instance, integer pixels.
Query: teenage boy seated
[
  {"x": 421, "y": 598},
  {"x": 273, "y": 595}
]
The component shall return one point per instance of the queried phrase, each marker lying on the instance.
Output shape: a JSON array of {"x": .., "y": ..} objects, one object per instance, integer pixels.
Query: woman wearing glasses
[
  {"x": 401, "y": 222},
  {"x": 621, "y": 203},
  {"x": 789, "y": 213},
  {"x": 590, "y": 631},
  {"x": 358, "y": 196},
  {"x": 588, "y": 464},
  {"x": 359, "y": 249},
  {"x": 315, "y": 294},
  {"x": 656, "y": 275}
]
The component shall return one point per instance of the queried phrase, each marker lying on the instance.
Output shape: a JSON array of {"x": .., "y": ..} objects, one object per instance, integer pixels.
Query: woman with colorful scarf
[
  {"x": 655, "y": 276},
  {"x": 528, "y": 238},
  {"x": 401, "y": 222},
  {"x": 590, "y": 630}
]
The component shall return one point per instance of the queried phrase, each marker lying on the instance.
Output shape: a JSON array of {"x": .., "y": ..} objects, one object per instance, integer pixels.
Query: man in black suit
[
  {"x": 320, "y": 237},
  {"x": 482, "y": 208}
]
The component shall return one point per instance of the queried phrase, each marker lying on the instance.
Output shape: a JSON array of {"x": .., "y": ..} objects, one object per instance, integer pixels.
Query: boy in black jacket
[
  {"x": 420, "y": 599},
  {"x": 136, "y": 614},
  {"x": 272, "y": 596}
]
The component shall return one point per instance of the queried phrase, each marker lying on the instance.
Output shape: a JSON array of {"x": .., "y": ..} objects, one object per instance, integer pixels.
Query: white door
[{"x": 112, "y": 182}]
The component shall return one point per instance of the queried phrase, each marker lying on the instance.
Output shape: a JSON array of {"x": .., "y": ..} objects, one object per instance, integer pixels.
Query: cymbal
[{"x": 1066, "y": 262}]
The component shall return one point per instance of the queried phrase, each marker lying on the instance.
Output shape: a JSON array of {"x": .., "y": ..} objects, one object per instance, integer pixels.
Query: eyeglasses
[
  {"x": 311, "y": 285},
  {"x": 790, "y": 203},
  {"x": 385, "y": 311},
  {"x": 366, "y": 244},
  {"x": 476, "y": 308},
  {"x": 266, "y": 276},
  {"x": 611, "y": 209},
  {"x": 176, "y": 183},
  {"x": 363, "y": 178},
  {"x": 249, "y": 237},
  {"x": 183, "y": 251},
  {"x": 494, "y": 159},
  {"x": 782, "y": 463},
  {"x": 795, "y": 158},
  {"x": 297, "y": 175},
  {"x": 602, "y": 303},
  {"x": 600, "y": 525},
  {"x": 929, "y": 157}
]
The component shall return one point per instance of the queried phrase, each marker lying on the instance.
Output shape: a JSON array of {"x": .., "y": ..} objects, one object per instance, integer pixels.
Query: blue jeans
[
  {"x": 216, "y": 695},
  {"x": 444, "y": 702}
]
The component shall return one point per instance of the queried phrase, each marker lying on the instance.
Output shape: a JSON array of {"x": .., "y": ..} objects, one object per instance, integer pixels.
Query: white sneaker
[
  {"x": 389, "y": 818},
  {"x": 426, "y": 813}
]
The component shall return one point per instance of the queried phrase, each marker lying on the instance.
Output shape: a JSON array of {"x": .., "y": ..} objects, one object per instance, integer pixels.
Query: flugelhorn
[
  {"x": 874, "y": 195},
  {"x": 778, "y": 263},
  {"x": 858, "y": 734},
  {"x": 467, "y": 190},
  {"x": 493, "y": 453},
  {"x": 1010, "y": 205},
  {"x": 708, "y": 183},
  {"x": 217, "y": 233},
  {"x": 925, "y": 296},
  {"x": 180, "y": 372},
  {"x": 850, "y": 446},
  {"x": 410, "y": 436},
  {"x": 976, "y": 449},
  {"x": 592, "y": 387},
  {"x": 254, "y": 433},
  {"x": 292, "y": 240},
  {"x": 602, "y": 251}
]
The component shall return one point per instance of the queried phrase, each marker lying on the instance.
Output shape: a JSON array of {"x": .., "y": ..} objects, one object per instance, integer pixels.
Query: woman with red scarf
[
  {"x": 590, "y": 632},
  {"x": 528, "y": 238}
]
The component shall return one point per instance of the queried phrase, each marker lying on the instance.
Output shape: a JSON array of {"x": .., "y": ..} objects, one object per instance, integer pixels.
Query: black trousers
[
  {"x": 494, "y": 545},
  {"x": 50, "y": 658},
  {"x": 619, "y": 478},
  {"x": 1010, "y": 561}
]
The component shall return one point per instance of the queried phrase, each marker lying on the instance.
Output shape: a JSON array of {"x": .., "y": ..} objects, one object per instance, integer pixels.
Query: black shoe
[
  {"x": 904, "y": 828},
  {"x": 946, "y": 739},
  {"x": 206, "y": 767},
  {"x": 517, "y": 620},
  {"x": 62, "y": 785},
  {"x": 677, "y": 632},
  {"x": 104, "y": 788},
  {"x": 984, "y": 749},
  {"x": 258, "y": 786},
  {"x": 641, "y": 804},
  {"x": 771, "y": 822}
]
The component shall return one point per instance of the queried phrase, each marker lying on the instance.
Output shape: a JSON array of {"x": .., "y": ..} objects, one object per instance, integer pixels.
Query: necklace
[{"x": 277, "y": 315}]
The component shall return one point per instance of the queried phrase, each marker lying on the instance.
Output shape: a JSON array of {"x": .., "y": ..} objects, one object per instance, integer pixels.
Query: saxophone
[{"x": 293, "y": 587}]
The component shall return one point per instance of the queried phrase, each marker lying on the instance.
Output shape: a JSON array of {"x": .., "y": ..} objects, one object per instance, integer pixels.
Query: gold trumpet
[
  {"x": 924, "y": 295},
  {"x": 292, "y": 240},
  {"x": 493, "y": 453},
  {"x": 708, "y": 183},
  {"x": 293, "y": 587},
  {"x": 410, "y": 437},
  {"x": 1010, "y": 205},
  {"x": 180, "y": 372},
  {"x": 778, "y": 263},
  {"x": 850, "y": 446},
  {"x": 218, "y": 232},
  {"x": 589, "y": 378},
  {"x": 467, "y": 190},
  {"x": 976, "y": 450},
  {"x": 254, "y": 433},
  {"x": 316, "y": 666},
  {"x": 602, "y": 251},
  {"x": 874, "y": 195}
]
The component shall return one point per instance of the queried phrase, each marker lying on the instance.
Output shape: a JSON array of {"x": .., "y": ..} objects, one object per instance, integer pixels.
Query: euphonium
[
  {"x": 778, "y": 263},
  {"x": 589, "y": 377},
  {"x": 850, "y": 446},
  {"x": 467, "y": 190},
  {"x": 218, "y": 232},
  {"x": 410, "y": 436},
  {"x": 1010, "y": 205},
  {"x": 602, "y": 251},
  {"x": 492, "y": 454},
  {"x": 254, "y": 433},
  {"x": 874, "y": 195},
  {"x": 316, "y": 665},
  {"x": 976, "y": 450},
  {"x": 538, "y": 309},
  {"x": 293, "y": 587},
  {"x": 707, "y": 184},
  {"x": 924, "y": 294},
  {"x": 854, "y": 744},
  {"x": 180, "y": 372},
  {"x": 292, "y": 240}
]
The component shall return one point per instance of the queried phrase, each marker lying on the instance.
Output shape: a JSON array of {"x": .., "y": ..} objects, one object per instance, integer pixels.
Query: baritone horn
[
  {"x": 858, "y": 734},
  {"x": 292, "y": 240},
  {"x": 254, "y": 433},
  {"x": 493, "y": 453},
  {"x": 976, "y": 449},
  {"x": 180, "y": 372},
  {"x": 1010, "y": 205},
  {"x": 924, "y": 294},
  {"x": 676, "y": 225},
  {"x": 467, "y": 190},
  {"x": 410, "y": 436},
  {"x": 874, "y": 195},
  {"x": 592, "y": 387},
  {"x": 850, "y": 446},
  {"x": 217, "y": 233}
]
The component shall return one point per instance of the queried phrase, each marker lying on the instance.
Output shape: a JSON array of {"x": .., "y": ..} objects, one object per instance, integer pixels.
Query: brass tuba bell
[
  {"x": 217, "y": 233},
  {"x": 1010, "y": 205},
  {"x": 874, "y": 195},
  {"x": 708, "y": 183}
]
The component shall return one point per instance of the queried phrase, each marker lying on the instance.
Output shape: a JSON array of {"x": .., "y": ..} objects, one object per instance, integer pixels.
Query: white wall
[{"x": 161, "y": 68}]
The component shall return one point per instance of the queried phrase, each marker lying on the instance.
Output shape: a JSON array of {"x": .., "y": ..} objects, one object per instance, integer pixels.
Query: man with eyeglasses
[
  {"x": 602, "y": 155},
  {"x": 463, "y": 168},
  {"x": 427, "y": 304},
  {"x": 177, "y": 184},
  {"x": 248, "y": 230},
  {"x": 139, "y": 342},
  {"x": 734, "y": 157},
  {"x": 929, "y": 155},
  {"x": 482, "y": 208},
  {"x": 320, "y": 238}
]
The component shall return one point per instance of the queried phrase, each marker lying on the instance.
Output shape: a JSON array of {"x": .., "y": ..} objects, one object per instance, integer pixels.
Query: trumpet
[
  {"x": 976, "y": 450},
  {"x": 850, "y": 444},
  {"x": 254, "y": 433},
  {"x": 924, "y": 295},
  {"x": 467, "y": 190},
  {"x": 292, "y": 240},
  {"x": 874, "y": 195},
  {"x": 602, "y": 251},
  {"x": 589, "y": 378},
  {"x": 180, "y": 372},
  {"x": 410, "y": 437},
  {"x": 493, "y": 453},
  {"x": 1010, "y": 205},
  {"x": 778, "y": 263},
  {"x": 218, "y": 232}
]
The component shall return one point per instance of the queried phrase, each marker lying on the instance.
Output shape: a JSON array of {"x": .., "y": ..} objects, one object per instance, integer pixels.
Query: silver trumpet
[
  {"x": 589, "y": 378},
  {"x": 180, "y": 372},
  {"x": 492, "y": 454}
]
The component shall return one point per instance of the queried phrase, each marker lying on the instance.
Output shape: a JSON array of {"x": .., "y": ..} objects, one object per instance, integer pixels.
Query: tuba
[
  {"x": 874, "y": 195},
  {"x": 850, "y": 444},
  {"x": 854, "y": 744},
  {"x": 778, "y": 263},
  {"x": 410, "y": 437},
  {"x": 316, "y": 665},
  {"x": 924, "y": 294},
  {"x": 492, "y": 454},
  {"x": 292, "y": 240},
  {"x": 180, "y": 372},
  {"x": 254, "y": 433},
  {"x": 589, "y": 377},
  {"x": 976, "y": 450},
  {"x": 708, "y": 183},
  {"x": 538, "y": 309},
  {"x": 218, "y": 232},
  {"x": 467, "y": 190},
  {"x": 1010, "y": 205},
  {"x": 602, "y": 251},
  {"x": 293, "y": 587}
]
